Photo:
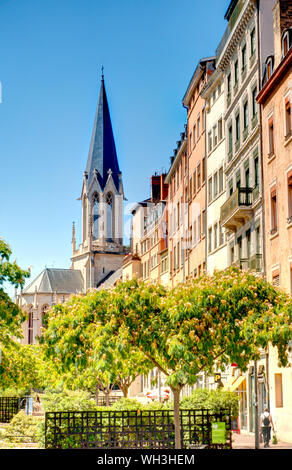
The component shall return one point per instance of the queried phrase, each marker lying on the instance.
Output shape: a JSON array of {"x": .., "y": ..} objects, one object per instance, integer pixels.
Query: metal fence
[
  {"x": 133, "y": 429},
  {"x": 9, "y": 407},
  {"x": 101, "y": 400}
]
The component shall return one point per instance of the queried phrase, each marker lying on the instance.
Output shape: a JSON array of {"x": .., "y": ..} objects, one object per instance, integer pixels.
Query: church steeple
[{"x": 102, "y": 154}]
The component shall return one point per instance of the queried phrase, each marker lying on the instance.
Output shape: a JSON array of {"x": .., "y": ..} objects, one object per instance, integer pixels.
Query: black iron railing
[
  {"x": 9, "y": 407},
  {"x": 133, "y": 429},
  {"x": 102, "y": 401}
]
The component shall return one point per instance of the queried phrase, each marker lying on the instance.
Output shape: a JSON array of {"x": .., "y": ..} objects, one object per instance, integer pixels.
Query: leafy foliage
[
  {"x": 11, "y": 316},
  {"x": 213, "y": 400},
  {"x": 24, "y": 428}
]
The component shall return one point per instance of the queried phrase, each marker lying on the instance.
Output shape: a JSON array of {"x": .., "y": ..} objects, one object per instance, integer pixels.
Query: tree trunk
[
  {"x": 176, "y": 394},
  {"x": 125, "y": 390},
  {"x": 96, "y": 394},
  {"x": 107, "y": 395}
]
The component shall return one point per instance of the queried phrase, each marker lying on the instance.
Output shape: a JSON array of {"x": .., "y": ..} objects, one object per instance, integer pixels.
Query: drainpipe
[
  {"x": 264, "y": 270},
  {"x": 256, "y": 406}
]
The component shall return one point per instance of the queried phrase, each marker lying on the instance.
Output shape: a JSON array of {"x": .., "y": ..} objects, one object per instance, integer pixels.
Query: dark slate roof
[
  {"x": 110, "y": 279},
  {"x": 102, "y": 154},
  {"x": 50, "y": 280}
]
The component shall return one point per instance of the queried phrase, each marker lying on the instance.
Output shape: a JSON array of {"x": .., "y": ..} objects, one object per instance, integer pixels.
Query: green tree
[
  {"x": 209, "y": 322},
  {"x": 21, "y": 367},
  {"x": 71, "y": 341},
  {"x": 11, "y": 316}
]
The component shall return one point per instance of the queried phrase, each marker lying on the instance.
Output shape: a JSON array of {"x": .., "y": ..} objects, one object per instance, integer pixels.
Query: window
[
  {"x": 215, "y": 184},
  {"x": 219, "y": 89},
  {"x": 221, "y": 237},
  {"x": 278, "y": 391},
  {"x": 210, "y": 240},
  {"x": 254, "y": 102},
  {"x": 30, "y": 325},
  {"x": 220, "y": 130},
  {"x": 215, "y": 235},
  {"x": 237, "y": 128},
  {"x": 285, "y": 43},
  {"x": 109, "y": 215},
  {"x": 248, "y": 243},
  {"x": 288, "y": 125},
  {"x": 199, "y": 175},
  {"x": 269, "y": 68},
  {"x": 96, "y": 217},
  {"x": 229, "y": 84},
  {"x": 245, "y": 115},
  {"x": 194, "y": 134},
  {"x": 230, "y": 138},
  {"x": 252, "y": 42},
  {"x": 243, "y": 57},
  {"x": 230, "y": 187},
  {"x": 195, "y": 181},
  {"x": 236, "y": 72},
  {"x": 199, "y": 227},
  {"x": 276, "y": 278},
  {"x": 204, "y": 222},
  {"x": 273, "y": 211},
  {"x": 191, "y": 187},
  {"x": 220, "y": 179},
  {"x": 198, "y": 128},
  {"x": 246, "y": 174},
  {"x": 203, "y": 119},
  {"x": 215, "y": 136},
  {"x": 289, "y": 181},
  {"x": 210, "y": 141},
  {"x": 203, "y": 170},
  {"x": 271, "y": 136},
  {"x": 210, "y": 189},
  {"x": 256, "y": 171},
  {"x": 195, "y": 232}
]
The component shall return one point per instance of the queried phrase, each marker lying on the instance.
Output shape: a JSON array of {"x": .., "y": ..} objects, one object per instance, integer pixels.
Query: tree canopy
[{"x": 11, "y": 316}]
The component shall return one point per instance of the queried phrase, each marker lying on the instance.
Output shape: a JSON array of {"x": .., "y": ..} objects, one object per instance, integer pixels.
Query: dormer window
[
  {"x": 269, "y": 67},
  {"x": 286, "y": 41}
]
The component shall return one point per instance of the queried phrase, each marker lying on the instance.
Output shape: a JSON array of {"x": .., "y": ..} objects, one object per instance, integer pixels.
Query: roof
[
  {"x": 50, "y": 280},
  {"x": 102, "y": 154},
  {"x": 110, "y": 279}
]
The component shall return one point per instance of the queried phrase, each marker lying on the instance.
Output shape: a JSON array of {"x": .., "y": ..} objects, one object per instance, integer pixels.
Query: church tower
[{"x": 101, "y": 251}]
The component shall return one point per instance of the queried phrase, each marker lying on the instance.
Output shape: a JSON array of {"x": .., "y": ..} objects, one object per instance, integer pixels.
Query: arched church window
[
  {"x": 44, "y": 311},
  {"x": 109, "y": 215},
  {"x": 95, "y": 216},
  {"x": 30, "y": 325}
]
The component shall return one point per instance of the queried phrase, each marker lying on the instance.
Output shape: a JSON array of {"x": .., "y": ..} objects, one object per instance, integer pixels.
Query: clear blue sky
[{"x": 50, "y": 60}]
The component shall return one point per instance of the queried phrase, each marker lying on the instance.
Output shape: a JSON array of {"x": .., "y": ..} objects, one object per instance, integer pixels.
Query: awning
[
  {"x": 229, "y": 384},
  {"x": 237, "y": 383}
]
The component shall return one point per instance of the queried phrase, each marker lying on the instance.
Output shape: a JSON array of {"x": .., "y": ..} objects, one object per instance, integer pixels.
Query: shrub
[
  {"x": 25, "y": 428},
  {"x": 68, "y": 401},
  {"x": 212, "y": 400}
]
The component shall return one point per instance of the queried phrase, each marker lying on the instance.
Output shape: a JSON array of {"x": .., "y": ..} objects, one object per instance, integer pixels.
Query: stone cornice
[{"x": 236, "y": 35}]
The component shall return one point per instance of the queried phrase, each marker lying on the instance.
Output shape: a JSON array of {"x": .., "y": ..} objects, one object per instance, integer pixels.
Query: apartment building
[
  {"x": 195, "y": 187},
  {"x": 216, "y": 245},
  {"x": 275, "y": 99},
  {"x": 177, "y": 180}
]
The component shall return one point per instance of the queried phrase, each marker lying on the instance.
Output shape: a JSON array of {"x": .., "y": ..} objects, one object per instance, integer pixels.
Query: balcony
[
  {"x": 255, "y": 193},
  {"x": 255, "y": 262},
  {"x": 236, "y": 211}
]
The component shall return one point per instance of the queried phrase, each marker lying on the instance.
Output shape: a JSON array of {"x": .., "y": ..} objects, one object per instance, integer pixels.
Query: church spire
[{"x": 102, "y": 154}]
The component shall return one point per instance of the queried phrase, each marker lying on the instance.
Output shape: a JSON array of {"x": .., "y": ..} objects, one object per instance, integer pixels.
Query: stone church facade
[{"x": 97, "y": 261}]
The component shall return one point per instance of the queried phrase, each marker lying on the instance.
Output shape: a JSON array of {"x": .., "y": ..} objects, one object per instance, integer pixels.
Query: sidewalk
[{"x": 246, "y": 441}]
